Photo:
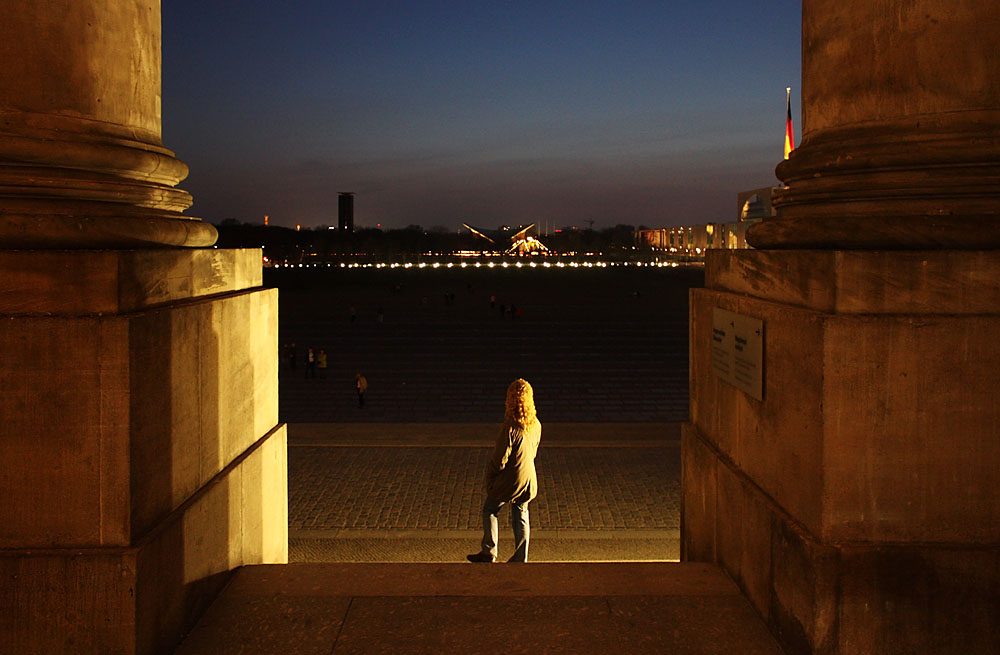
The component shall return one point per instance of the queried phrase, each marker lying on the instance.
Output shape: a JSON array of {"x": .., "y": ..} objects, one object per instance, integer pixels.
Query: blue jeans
[{"x": 518, "y": 520}]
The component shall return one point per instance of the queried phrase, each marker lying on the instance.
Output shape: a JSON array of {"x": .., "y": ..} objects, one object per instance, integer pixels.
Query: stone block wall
[
  {"x": 142, "y": 459},
  {"x": 855, "y": 503}
]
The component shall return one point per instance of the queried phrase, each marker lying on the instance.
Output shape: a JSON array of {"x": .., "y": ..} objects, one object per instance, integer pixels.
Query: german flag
[{"x": 789, "y": 133}]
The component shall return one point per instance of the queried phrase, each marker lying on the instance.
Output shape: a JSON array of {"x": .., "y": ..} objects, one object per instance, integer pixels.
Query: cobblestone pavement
[
  {"x": 440, "y": 488},
  {"x": 599, "y": 498}
]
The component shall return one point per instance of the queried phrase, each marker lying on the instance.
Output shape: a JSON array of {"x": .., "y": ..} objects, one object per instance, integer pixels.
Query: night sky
[{"x": 438, "y": 113}]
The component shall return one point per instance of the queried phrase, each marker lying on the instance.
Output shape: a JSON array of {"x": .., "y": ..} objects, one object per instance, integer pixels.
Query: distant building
[
  {"x": 752, "y": 206},
  {"x": 345, "y": 211},
  {"x": 756, "y": 204}
]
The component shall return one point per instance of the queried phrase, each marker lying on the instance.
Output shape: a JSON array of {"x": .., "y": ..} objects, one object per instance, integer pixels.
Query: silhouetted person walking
[
  {"x": 510, "y": 477},
  {"x": 361, "y": 385},
  {"x": 310, "y": 364}
]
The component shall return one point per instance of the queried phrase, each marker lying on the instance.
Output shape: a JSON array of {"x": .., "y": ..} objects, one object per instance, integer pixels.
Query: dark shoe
[{"x": 481, "y": 557}]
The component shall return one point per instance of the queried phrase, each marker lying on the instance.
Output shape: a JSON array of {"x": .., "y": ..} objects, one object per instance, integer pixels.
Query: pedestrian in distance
[
  {"x": 510, "y": 475},
  {"x": 310, "y": 364},
  {"x": 361, "y": 386},
  {"x": 321, "y": 363}
]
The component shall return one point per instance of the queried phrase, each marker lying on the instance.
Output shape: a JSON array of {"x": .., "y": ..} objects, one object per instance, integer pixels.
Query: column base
[
  {"x": 87, "y": 230},
  {"x": 860, "y": 232}
]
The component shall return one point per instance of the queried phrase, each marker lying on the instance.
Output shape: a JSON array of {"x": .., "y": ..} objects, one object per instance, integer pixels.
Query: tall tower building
[{"x": 345, "y": 211}]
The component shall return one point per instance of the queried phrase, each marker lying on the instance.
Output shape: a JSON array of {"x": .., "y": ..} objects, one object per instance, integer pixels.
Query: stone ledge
[
  {"x": 463, "y": 579},
  {"x": 88, "y": 282},
  {"x": 862, "y": 282}
]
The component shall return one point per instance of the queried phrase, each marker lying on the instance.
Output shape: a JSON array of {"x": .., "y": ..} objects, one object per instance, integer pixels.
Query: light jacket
[{"x": 510, "y": 475}]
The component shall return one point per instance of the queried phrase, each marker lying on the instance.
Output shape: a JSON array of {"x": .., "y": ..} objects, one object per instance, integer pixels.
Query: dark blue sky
[{"x": 435, "y": 113}]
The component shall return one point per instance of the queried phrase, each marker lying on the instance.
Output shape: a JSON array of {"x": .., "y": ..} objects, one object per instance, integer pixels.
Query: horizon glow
[{"x": 437, "y": 113}]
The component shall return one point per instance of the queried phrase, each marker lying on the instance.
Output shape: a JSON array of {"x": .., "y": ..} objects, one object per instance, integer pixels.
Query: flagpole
[{"x": 789, "y": 134}]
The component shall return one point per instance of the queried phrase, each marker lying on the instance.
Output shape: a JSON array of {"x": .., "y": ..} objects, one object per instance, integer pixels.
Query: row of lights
[{"x": 490, "y": 265}]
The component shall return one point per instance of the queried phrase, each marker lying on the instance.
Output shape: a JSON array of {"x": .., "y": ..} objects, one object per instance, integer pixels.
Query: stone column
[
  {"x": 81, "y": 160},
  {"x": 901, "y": 129},
  {"x": 855, "y": 502},
  {"x": 141, "y": 459}
]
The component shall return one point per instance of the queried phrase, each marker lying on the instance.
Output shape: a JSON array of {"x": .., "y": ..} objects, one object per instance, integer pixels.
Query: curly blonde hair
[{"x": 520, "y": 407}]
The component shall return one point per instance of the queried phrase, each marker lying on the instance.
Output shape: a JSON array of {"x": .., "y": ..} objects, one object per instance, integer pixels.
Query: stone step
[
  {"x": 447, "y": 547},
  {"x": 413, "y": 608}
]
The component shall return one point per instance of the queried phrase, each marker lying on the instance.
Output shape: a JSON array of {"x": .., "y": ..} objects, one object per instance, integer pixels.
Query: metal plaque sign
[{"x": 738, "y": 351}]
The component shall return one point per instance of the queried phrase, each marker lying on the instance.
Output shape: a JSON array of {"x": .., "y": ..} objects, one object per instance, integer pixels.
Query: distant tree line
[{"x": 282, "y": 244}]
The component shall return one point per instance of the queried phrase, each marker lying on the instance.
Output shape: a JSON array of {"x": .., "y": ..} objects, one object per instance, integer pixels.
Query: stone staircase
[{"x": 593, "y": 608}]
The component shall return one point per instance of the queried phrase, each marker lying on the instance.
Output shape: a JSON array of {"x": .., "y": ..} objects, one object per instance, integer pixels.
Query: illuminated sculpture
[{"x": 510, "y": 241}]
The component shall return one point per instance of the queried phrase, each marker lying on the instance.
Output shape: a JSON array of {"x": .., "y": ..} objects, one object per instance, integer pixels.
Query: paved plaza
[
  {"x": 413, "y": 492},
  {"x": 401, "y": 479},
  {"x": 607, "y": 345}
]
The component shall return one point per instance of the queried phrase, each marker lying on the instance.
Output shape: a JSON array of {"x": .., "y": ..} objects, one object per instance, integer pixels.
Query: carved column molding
[
  {"x": 82, "y": 164},
  {"x": 901, "y": 129}
]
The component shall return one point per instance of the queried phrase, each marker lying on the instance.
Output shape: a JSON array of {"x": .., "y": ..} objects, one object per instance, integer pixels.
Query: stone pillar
[
  {"x": 141, "y": 459},
  {"x": 901, "y": 129},
  {"x": 81, "y": 160},
  {"x": 855, "y": 502}
]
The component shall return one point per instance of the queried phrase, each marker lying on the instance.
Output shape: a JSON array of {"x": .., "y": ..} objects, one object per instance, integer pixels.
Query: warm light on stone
[
  {"x": 82, "y": 164},
  {"x": 855, "y": 502},
  {"x": 141, "y": 455},
  {"x": 901, "y": 129}
]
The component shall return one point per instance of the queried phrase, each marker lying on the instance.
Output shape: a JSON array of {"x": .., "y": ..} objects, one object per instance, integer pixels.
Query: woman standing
[{"x": 510, "y": 477}]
